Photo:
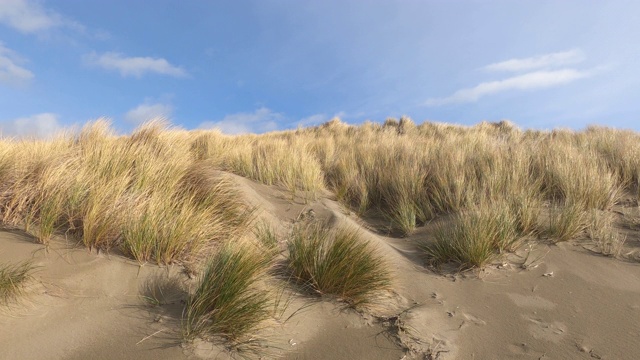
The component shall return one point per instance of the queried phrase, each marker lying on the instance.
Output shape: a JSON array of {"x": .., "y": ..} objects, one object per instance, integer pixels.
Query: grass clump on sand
[
  {"x": 227, "y": 302},
  {"x": 338, "y": 263},
  {"x": 567, "y": 222},
  {"x": 12, "y": 279},
  {"x": 473, "y": 238},
  {"x": 146, "y": 193}
]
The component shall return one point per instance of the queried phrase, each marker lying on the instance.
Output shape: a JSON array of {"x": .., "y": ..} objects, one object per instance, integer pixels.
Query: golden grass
[
  {"x": 158, "y": 194},
  {"x": 144, "y": 193},
  {"x": 338, "y": 263},
  {"x": 162, "y": 195}
]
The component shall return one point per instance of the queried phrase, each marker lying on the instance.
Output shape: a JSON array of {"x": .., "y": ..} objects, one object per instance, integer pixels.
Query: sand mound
[{"x": 560, "y": 302}]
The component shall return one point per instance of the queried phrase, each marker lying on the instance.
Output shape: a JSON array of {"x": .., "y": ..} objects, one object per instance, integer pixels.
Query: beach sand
[{"x": 543, "y": 302}]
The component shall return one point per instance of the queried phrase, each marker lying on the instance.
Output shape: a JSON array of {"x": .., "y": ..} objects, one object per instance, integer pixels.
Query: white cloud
[
  {"x": 147, "y": 111},
  {"x": 27, "y": 16},
  {"x": 530, "y": 81},
  {"x": 572, "y": 56},
  {"x": 134, "y": 66},
  {"x": 259, "y": 121},
  {"x": 36, "y": 126},
  {"x": 10, "y": 72}
]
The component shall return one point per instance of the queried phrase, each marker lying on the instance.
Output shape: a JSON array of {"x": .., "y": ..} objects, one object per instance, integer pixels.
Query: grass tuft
[
  {"x": 473, "y": 238},
  {"x": 337, "y": 263},
  {"x": 566, "y": 222},
  {"x": 227, "y": 302},
  {"x": 12, "y": 279}
]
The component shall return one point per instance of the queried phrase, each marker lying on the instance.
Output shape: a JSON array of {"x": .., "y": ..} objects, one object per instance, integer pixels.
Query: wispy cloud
[
  {"x": 10, "y": 72},
  {"x": 546, "y": 75},
  {"x": 530, "y": 81},
  {"x": 147, "y": 111},
  {"x": 43, "y": 125},
  {"x": 29, "y": 17},
  {"x": 259, "y": 121},
  {"x": 134, "y": 66},
  {"x": 572, "y": 56}
]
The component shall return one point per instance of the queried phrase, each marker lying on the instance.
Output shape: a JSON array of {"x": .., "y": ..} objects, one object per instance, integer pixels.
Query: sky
[{"x": 263, "y": 65}]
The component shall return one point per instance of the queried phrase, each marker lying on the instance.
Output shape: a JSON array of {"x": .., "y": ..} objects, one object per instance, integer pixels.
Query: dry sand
[{"x": 565, "y": 303}]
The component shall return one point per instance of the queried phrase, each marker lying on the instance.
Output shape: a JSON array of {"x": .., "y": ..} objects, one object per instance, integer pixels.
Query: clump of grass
[
  {"x": 606, "y": 239},
  {"x": 473, "y": 238},
  {"x": 338, "y": 263},
  {"x": 227, "y": 302},
  {"x": 267, "y": 238},
  {"x": 12, "y": 279},
  {"x": 566, "y": 222}
]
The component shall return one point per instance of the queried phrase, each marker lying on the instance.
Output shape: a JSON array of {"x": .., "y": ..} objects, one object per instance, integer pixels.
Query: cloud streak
[
  {"x": 538, "y": 72},
  {"x": 43, "y": 125},
  {"x": 27, "y": 17},
  {"x": 134, "y": 66},
  {"x": 530, "y": 81},
  {"x": 260, "y": 121},
  {"x": 30, "y": 17},
  {"x": 572, "y": 56},
  {"x": 10, "y": 72}
]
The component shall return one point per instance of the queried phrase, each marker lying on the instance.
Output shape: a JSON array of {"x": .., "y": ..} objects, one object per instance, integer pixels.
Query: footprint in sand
[{"x": 547, "y": 331}]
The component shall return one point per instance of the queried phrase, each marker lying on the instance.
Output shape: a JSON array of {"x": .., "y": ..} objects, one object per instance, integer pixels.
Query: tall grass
[
  {"x": 144, "y": 193},
  {"x": 566, "y": 222},
  {"x": 337, "y": 263},
  {"x": 86, "y": 185},
  {"x": 227, "y": 301},
  {"x": 473, "y": 238}
]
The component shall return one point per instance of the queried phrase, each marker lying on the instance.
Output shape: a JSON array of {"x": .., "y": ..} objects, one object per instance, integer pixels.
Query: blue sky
[{"x": 267, "y": 65}]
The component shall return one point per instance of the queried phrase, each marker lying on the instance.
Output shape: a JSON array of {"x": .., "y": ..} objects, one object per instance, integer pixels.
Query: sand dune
[{"x": 543, "y": 302}]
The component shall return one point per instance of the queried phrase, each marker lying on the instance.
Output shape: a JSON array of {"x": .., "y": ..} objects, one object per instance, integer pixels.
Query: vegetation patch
[
  {"x": 12, "y": 280},
  {"x": 338, "y": 263},
  {"x": 474, "y": 238},
  {"x": 227, "y": 301}
]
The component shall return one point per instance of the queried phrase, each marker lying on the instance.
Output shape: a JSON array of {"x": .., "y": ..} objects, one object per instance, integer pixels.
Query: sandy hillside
[{"x": 544, "y": 302}]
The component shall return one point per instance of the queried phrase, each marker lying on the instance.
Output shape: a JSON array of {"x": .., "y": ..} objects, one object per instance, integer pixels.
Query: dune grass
[
  {"x": 227, "y": 302},
  {"x": 84, "y": 185},
  {"x": 473, "y": 238},
  {"x": 566, "y": 222},
  {"x": 146, "y": 193},
  {"x": 164, "y": 195},
  {"x": 338, "y": 263},
  {"x": 12, "y": 279}
]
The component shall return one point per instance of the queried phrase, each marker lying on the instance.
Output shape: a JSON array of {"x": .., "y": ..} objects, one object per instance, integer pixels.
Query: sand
[{"x": 543, "y": 302}]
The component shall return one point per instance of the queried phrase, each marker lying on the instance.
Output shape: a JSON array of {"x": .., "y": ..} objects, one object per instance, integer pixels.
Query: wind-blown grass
[
  {"x": 12, "y": 279},
  {"x": 144, "y": 193},
  {"x": 337, "y": 263},
  {"x": 112, "y": 191},
  {"x": 227, "y": 302}
]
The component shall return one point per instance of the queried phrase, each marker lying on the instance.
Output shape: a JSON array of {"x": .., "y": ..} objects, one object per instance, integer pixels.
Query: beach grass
[
  {"x": 227, "y": 301},
  {"x": 13, "y": 277},
  {"x": 336, "y": 262}
]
